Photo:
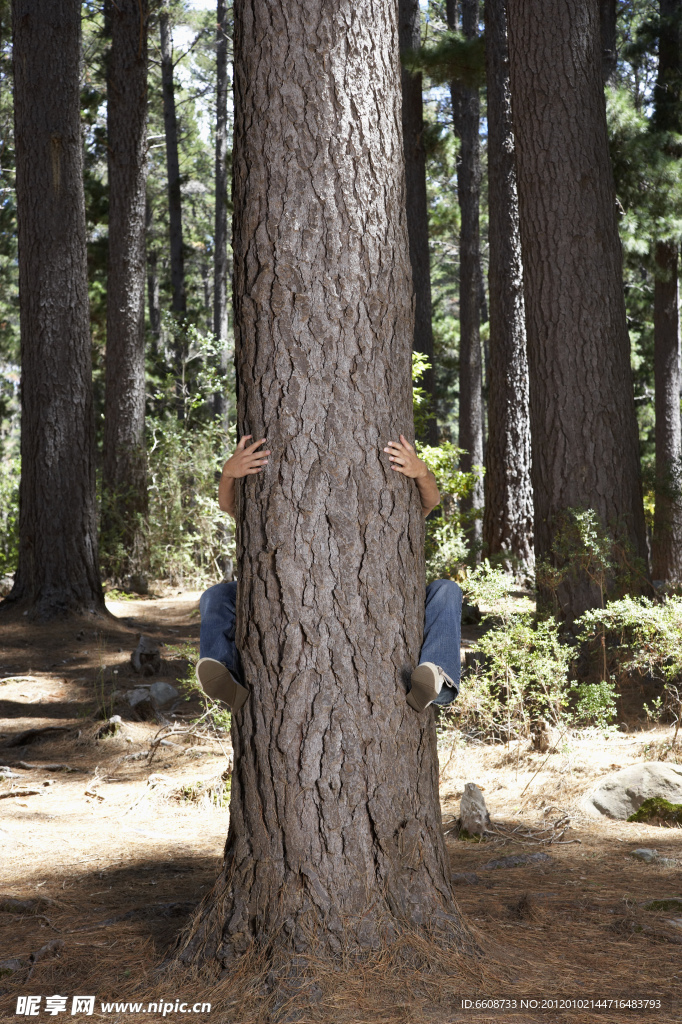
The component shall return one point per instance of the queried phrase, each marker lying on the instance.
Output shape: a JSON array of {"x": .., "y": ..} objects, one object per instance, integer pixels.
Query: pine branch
[{"x": 452, "y": 59}]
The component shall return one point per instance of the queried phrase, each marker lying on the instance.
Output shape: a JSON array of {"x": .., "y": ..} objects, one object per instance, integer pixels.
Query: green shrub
[{"x": 9, "y": 514}]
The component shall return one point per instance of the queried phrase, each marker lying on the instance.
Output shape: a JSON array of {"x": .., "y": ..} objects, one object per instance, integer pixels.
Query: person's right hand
[{"x": 245, "y": 459}]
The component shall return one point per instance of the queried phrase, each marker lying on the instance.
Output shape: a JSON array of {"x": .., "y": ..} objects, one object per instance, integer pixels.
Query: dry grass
[{"x": 111, "y": 838}]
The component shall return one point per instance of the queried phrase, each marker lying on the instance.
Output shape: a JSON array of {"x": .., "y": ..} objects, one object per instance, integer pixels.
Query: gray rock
[
  {"x": 465, "y": 878},
  {"x": 645, "y": 854},
  {"x": 162, "y": 693},
  {"x": 6, "y": 584},
  {"x": 11, "y": 966},
  {"x": 473, "y": 813},
  {"x": 146, "y": 658},
  {"x": 137, "y": 695},
  {"x": 621, "y": 794}
]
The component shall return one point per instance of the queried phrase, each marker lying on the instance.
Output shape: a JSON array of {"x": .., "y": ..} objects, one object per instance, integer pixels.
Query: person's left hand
[{"x": 404, "y": 459}]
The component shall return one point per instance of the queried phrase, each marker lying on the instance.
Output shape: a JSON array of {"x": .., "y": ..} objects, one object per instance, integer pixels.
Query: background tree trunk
[
  {"x": 220, "y": 265},
  {"x": 153, "y": 299},
  {"x": 584, "y": 431},
  {"x": 58, "y": 567},
  {"x": 508, "y": 516},
  {"x": 466, "y": 115},
  {"x": 177, "y": 254},
  {"x": 124, "y": 475},
  {"x": 335, "y": 830},
  {"x": 667, "y": 534},
  {"x": 409, "y": 35},
  {"x": 608, "y": 26}
]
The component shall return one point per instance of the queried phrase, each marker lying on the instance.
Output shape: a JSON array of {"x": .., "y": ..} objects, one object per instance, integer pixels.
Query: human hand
[
  {"x": 405, "y": 460},
  {"x": 245, "y": 459}
]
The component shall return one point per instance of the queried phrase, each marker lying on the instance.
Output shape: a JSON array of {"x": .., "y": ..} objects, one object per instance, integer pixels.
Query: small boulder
[
  {"x": 162, "y": 694},
  {"x": 146, "y": 658},
  {"x": 621, "y": 794},
  {"x": 645, "y": 854},
  {"x": 6, "y": 584},
  {"x": 473, "y": 813}
]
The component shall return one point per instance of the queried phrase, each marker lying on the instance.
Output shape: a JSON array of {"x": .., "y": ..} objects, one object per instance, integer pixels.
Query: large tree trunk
[
  {"x": 58, "y": 571},
  {"x": 409, "y": 36},
  {"x": 609, "y": 53},
  {"x": 177, "y": 252},
  {"x": 508, "y": 516},
  {"x": 220, "y": 264},
  {"x": 124, "y": 475},
  {"x": 335, "y": 836},
  {"x": 667, "y": 538},
  {"x": 466, "y": 115},
  {"x": 584, "y": 430}
]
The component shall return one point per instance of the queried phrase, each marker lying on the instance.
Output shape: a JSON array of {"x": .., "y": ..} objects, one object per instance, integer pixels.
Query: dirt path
[{"x": 110, "y": 854}]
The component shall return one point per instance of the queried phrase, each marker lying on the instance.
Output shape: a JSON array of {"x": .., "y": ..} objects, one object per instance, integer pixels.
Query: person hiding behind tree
[{"x": 434, "y": 681}]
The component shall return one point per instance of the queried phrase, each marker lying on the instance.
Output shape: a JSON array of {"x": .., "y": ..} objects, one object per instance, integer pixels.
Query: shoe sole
[
  {"x": 424, "y": 690},
  {"x": 217, "y": 682}
]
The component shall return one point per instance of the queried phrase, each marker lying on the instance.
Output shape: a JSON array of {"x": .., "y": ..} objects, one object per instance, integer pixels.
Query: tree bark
[
  {"x": 608, "y": 25},
  {"x": 508, "y": 516},
  {"x": 335, "y": 838},
  {"x": 466, "y": 115},
  {"x": 409, "y": 35},
  {"x": 58, "y": 566},
  {"x": 667, "y": 533},
  {"x": 220, "y": 266},
  {"x": 124, "y": 463},
  {"x": 177, "y": 252},
  {"x": 584, "y": 430}
]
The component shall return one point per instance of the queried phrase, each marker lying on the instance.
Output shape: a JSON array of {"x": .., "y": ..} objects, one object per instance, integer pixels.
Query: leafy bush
[{"x": 9, "y": 514}]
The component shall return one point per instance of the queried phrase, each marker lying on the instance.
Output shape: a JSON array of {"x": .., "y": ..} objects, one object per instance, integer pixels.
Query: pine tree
[
  {"x": 335, "y": 839},
  {"x": 584, "y": 430},
  {"x": 124, "y": 476},
  {"x": 58, "y": 570},
  {"x": 508, "y": 515}
]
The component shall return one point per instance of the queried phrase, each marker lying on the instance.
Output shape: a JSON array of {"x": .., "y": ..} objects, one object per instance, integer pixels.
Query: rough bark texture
[
  {"x": 124, "y": 464},
  {"x": 667, "y": 535},
  {"x": 220, "y": 264},
  {"x": 335, "y": 836},
  {"x": 607, "y": 24},
  {"x": 58, "y": 567},
  {"x": 466, "y": 115},
  {"x": 177, "y": 253},
  {"x": 508, "y": 516},
  {"x": 409, "y": 36},
  {"x": 584, "y": 431}
]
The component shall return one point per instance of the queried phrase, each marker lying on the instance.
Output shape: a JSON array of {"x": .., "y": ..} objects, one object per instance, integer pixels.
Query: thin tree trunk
[
  {"x": 466, "y": 115},
  {"x": 584, "y": 430},
  {"x": 335, "y": 838},
  {"x": 608, "y": 25},
  {"x": 667, "y": 534},
  {"x": 124, "y": 464},
  {"x": 58, "y": 569},
  {"x": 153, "y": 300},
  {"x": 177, "y": 254},
  {"x": 508, "y": 516},
  {"x": 220, "y": 266},
  {"x": 415, "y": 200}
]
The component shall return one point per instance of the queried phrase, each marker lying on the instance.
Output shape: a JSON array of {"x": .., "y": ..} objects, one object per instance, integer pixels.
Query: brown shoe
[
  {"x": 427, "y": 682},
  {"x": 216, "y": 681}
]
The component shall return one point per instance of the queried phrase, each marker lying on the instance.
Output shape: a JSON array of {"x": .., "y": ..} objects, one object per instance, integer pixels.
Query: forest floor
[{"x": 108, "y": 855}]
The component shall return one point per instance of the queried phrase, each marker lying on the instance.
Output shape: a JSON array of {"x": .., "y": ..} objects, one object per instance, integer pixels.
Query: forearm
[
  {"x": 226, "y": 497},
  {"x": 429, "y": 495}
]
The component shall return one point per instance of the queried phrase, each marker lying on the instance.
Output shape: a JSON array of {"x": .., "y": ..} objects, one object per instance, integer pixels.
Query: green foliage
[
  {"x": 645, "y": 634},
  {"x": 583, "y": 547},
  {"x": 595, "y": 703},
  {"x": 9, "y": 515},
  {"x": 453, "y": 58}
]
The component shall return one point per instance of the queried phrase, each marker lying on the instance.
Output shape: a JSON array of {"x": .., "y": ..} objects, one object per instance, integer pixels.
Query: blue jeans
[{"x": 442, "y": 630}]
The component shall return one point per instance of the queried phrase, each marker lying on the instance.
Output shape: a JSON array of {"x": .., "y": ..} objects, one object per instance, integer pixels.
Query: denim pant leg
[
  {"x": 443, "y": 633},
  {"x": 218, "y": 607}
]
